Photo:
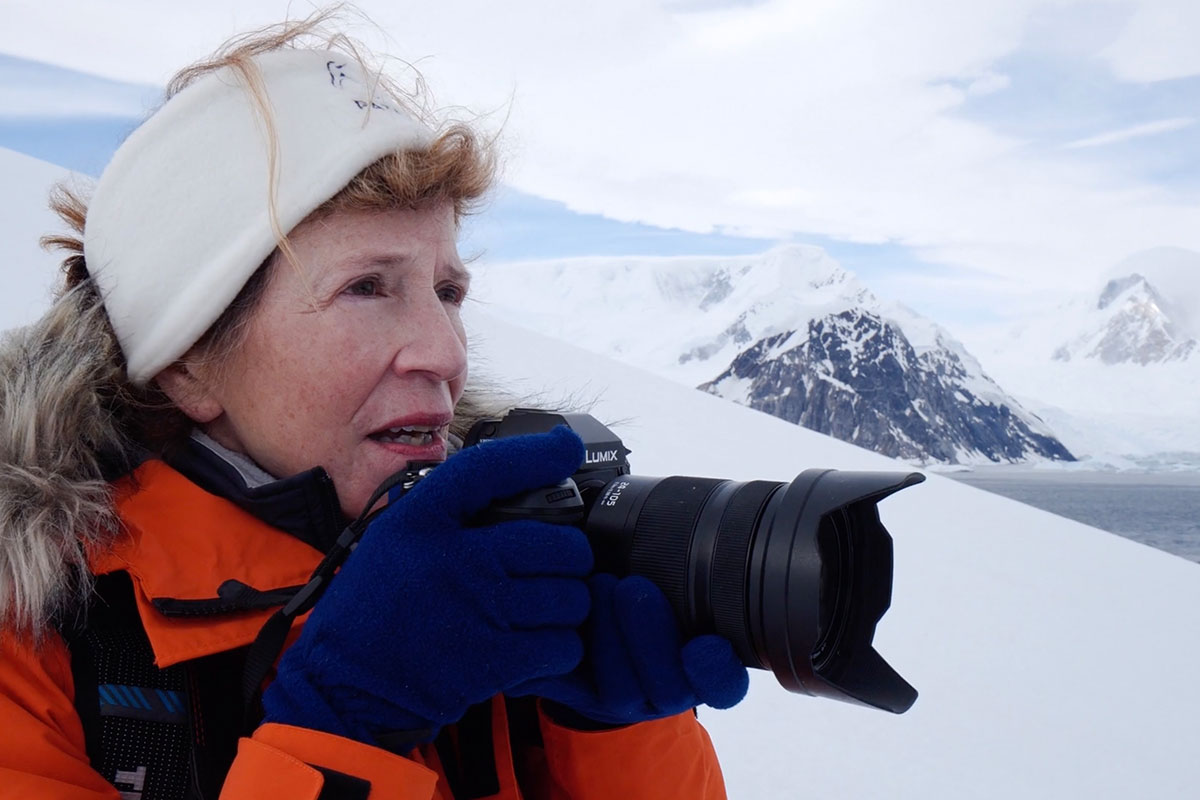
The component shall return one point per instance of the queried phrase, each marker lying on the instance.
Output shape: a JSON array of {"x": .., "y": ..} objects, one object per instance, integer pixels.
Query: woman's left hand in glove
[{"x": 636, "y": 666}]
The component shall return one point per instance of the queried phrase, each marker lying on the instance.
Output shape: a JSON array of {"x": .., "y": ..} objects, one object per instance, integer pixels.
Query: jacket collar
[
  {"x": 305, "y": 505},
  {"x": 206, "y": 573}
]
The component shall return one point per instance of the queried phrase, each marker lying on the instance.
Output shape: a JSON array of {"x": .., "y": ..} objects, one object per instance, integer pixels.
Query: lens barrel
[{"x": 796, "y": 575}]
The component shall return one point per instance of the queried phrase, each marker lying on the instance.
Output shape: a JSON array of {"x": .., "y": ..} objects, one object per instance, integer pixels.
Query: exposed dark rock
[
  {"x": 736, "y": 333},
  {"x": 854, "y": 376}
]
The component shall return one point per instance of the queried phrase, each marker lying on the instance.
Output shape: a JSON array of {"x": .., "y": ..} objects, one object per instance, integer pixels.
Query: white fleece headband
[{"x": 179, "y": 220}]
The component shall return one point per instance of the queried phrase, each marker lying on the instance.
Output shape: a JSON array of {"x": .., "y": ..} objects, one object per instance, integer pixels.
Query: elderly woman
[{"x": 260, "y": 325}]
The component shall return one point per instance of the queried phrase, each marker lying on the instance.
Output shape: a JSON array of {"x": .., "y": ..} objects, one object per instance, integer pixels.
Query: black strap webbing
[{"x": 271, "y": 637}]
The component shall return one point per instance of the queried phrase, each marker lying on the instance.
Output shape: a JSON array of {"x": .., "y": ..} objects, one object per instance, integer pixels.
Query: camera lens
[{"x": 796, "y": 575}]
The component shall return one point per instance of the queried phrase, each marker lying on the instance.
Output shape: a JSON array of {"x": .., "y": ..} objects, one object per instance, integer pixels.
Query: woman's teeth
[{"x": 418, "y": 436}]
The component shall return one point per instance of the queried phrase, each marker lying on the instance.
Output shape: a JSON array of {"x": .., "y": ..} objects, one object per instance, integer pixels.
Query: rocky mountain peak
[
  {"x": 854, "y": 375},
  {"x": 1133, "y": 323},
  {"x": 1119, "y": 286}
]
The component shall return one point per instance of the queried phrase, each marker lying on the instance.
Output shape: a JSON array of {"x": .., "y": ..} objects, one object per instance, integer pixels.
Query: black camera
[{"x": 796, "y": 575}]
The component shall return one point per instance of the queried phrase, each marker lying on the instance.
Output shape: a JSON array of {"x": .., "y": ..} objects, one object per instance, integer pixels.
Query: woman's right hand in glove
[{"x": 430, "y": 614}]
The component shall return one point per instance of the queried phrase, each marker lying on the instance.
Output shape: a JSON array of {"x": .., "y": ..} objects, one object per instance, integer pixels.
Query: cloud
[
  {"x": 988, "y": 83},
  {"x": 1159, "y": 42},
  {"x": 844, "y": 118},
  {"x": 1133, "y": 132},
  {"x": 707, "y": 5}
]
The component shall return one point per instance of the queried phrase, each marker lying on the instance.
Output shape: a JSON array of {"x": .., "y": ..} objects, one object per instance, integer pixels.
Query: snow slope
[
  {"x": 1054, "y": 660},
  {"x": 29, "y": 272}
]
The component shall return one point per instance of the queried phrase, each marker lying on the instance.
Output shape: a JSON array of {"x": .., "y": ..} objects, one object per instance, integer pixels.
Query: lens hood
[{"x": 825, "y": 567}]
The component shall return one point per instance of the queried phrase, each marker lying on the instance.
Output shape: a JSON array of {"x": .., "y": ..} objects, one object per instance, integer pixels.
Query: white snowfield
[
  {"x": 1053, "y": 660},
  {"x": 29, "y": 272}
]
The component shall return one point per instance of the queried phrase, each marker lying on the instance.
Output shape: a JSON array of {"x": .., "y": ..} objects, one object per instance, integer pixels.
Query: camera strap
[{"x": 268, "y": 644}]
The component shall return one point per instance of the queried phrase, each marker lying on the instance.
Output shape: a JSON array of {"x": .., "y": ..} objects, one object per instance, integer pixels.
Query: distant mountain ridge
[
  {"x": 789, "y": 332},
  {"x": 1132, "y": 323},
  {"x": 1114, "y": 367}
]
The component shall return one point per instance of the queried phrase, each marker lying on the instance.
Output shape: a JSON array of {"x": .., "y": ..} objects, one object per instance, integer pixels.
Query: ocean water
[{"x": 1161, "y": 509}]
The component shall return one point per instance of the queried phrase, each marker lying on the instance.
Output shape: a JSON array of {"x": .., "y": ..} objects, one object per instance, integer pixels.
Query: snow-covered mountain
[
  {"x": 1132, "y": 322},
  {"x": 1114, "y": 369},
  {"x": 1145, "y": 309},
  {"x": 789, "y": 332}
]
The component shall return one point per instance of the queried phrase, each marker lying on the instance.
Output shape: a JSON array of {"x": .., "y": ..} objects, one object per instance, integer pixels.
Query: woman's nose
[{"x": 435, "y": 342}]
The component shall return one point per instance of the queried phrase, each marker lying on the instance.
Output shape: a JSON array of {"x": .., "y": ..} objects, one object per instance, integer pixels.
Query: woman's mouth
[{"x": 410, "y": 435}]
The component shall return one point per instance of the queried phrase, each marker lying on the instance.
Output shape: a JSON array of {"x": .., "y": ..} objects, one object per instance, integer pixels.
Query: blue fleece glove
[
  {"x": 636, "y": 667},
  {"x": 430, "y": 615}
]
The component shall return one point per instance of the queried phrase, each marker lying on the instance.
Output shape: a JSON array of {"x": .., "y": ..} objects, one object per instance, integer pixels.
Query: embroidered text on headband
[{"x": 180, "y": 219}]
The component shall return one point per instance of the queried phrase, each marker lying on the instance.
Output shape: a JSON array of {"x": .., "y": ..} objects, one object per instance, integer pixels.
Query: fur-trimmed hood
[
  {"x": 60, "y": 441},
  {"x": 54, "y": 501}
]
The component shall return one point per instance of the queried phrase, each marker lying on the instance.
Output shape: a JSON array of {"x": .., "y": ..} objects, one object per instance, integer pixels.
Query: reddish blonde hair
[{"x": 458, "y": 167}]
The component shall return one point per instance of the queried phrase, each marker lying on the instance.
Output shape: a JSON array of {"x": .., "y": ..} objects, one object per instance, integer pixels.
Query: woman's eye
[
  {"x": 452, "y": 294},
  {"x": 368, "y": 287}
]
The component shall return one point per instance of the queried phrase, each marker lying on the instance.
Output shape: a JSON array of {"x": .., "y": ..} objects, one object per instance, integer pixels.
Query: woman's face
[{"x": 355, "y": 356}]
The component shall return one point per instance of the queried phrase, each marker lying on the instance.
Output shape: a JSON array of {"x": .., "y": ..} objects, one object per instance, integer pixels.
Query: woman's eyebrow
[
  {"x": 455, "y": 271},
  {"x": 373, "y": 261}
]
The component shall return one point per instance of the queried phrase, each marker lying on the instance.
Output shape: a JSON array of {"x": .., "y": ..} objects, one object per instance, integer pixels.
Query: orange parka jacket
[{"x": 182, "y": 542}]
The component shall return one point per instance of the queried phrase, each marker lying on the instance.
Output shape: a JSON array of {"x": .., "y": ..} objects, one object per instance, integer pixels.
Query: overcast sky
[{"x": 983, "y": 145}]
